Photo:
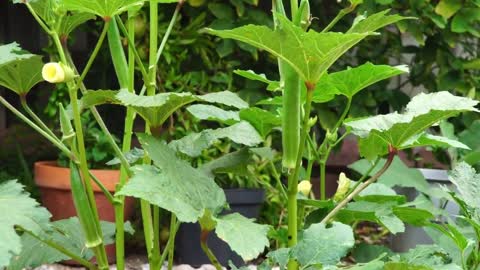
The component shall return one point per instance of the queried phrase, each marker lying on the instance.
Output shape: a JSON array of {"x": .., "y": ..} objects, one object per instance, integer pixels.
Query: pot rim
[{"x": 49, "y": 175}]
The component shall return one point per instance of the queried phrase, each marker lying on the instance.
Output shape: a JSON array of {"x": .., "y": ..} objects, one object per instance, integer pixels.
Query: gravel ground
[{"x": 132, "y": 263}]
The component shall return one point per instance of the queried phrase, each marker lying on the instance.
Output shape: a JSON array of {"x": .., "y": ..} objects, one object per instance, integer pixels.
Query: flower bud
[
  {"x": 57, "y": 73},
  {"x": 304, "y": 187},
  {"x": 343, "y": 187}
]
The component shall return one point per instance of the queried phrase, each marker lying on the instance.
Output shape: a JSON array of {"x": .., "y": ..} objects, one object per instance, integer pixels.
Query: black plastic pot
[{"x": 187, "y": 245}]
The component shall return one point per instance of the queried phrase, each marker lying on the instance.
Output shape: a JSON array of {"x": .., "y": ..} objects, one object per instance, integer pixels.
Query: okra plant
[{"x": 160, "y": 176}]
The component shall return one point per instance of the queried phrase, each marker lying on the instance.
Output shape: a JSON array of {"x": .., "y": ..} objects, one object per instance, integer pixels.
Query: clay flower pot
[{"x": 54, "y": 185}]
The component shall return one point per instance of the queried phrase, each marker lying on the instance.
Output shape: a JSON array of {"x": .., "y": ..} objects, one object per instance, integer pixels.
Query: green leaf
[
  {"x": 467, "y": 182},
  {"x": 263, "y": 121},
  {"x": 65, "y": 233},
  {"x": 395, "y": 129},
  {"x": 132, "y": 156},
  {"x": 226, "y": 98},
  {"x": 245, "y": 237},
  {"x": 99, "y": 97},
  {"x": 194, "y": 143},
  {"x": 155, "y": 109},
  {"x": 235, "y": 162},
  {"x": 19, "y": 70},
  {"x": 364, "y": 252},
  {"x": 279, "y": 256},
  {"x": 466, "y": 21},
  {"x": 379, "y": 193},
  {"x": 376, "y": 212},
  {"x": 426, "y": 139},
  {"x": 213, "y": 113},
  {"x": 69, "y": 22},
  {"x": 102, "y": 8},
  {"x": 313, "y": 250},
  {"x": 375, "y": 22},
  {"x": 309, "y": 53},
  {"x": 251, "y": 75},
  {"x": 175, "y": 186},
  {"x": 17, "y": 209},
  {"x": 352, "y": 80},
  {"x": 431, "y": 256},
  {"x": 448, "y": 8}
]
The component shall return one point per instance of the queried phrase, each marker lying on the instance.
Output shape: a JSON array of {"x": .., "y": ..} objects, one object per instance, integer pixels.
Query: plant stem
[
  {"x": 327, "y": 147},
  {"x": 126, "y": 145},
  {"x": 171, "y": 240},
  {"x": 40, "y": 123},
  {"x": 293, "y": 7},
  {"x": 278, "y": 179},
  {"x": 364, "y": 176},
  {"x": 391, "y": 154},
  {"x": 99, "y": 250},
  {"x": 63, "y": 250},
  {"x": 38, "y": 19},
  {"x": 339, "y": 16},
  {"x": 210, "y": 255},
  {"x": 169, "y": 30},
  {"x": 54, "y": 141},
  {"x": 105, "y": 191},
  {"x": 94, "y": 54},
  {"x": 293, "y": 179}
]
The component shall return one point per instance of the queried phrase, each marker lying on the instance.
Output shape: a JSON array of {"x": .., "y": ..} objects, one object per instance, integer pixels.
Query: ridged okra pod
[{"x": 83, "y": 208}]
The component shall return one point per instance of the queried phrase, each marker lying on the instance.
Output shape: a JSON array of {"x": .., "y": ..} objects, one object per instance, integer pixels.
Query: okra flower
[
  {"x": 305, "y": 187},
  {"x": 343, "y": 187},
  {"x": 57, "y": 73}
]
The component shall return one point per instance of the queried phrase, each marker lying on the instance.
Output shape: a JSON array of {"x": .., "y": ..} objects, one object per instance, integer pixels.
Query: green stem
[
  {"x": 99, "y": 250},
  {"x": 35, "y": 117},
  {"x": 364, "y": 176},
  {"x": 120, "y": 233},
  {"x": 339, "y": 16},
  {"x": 391, "y": 154},
  {"x": 293, "y": 7},
  {"x": 131, "y": 44},
  {"x": 105, "y": 191},
  {"x": 147, "y": 227},
  {"x": 118, "y": 152},
  {"x": 127, "y": 142},
  {"x": 54, "y": 141},
  {"x": 169, "y": 30},
  {"x": 327, "y": 147},
  {"x": 293, "y": 180},
  {"x": 171, "y": 243},
  {"x": 208, "y": 252},
  {"x": 94, "y": 54},
  {"x": 156, "y": 237},
  {"x": 38, "y": 19},
  {"x": 278, "y": 179},
  {"x": 61, "y": 249}
]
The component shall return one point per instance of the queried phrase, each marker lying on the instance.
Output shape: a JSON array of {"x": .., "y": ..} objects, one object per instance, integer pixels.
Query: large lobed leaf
[
  {"x": 309, "y": 53},
  {"x": 397, "y": 130},
  {"x": 467, "y": 182},
  {"x": 325, "y": 246},
  {"x": 65, "y": 233},
  {"x": 375, "y": 22},
  {"x": 193, "y": 144},
  {"x": 17, "y": 209},
  {"x": 174, "y": 185},
  {"x": 213, "y": 113},
  {"x": 244, "y": 236},
  {"x": 350, "y": 81},
  {"x": 19, "y": 70},
  {"x": 102, "y": 8}
]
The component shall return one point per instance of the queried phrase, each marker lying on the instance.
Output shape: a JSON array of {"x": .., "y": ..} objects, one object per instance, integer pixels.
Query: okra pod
[
  {"x": 118, "y": 55},
  {"x": 83, "y": 208}
]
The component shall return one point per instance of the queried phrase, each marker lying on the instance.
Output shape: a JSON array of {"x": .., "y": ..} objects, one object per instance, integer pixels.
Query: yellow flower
[
  {"x": 305, "y": 187},
  {"x": 56, "y": 73},
  {"x": 343, "y": 187}
]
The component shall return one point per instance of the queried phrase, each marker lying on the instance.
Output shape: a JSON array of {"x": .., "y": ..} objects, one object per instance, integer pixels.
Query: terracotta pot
[{"x": 55, "y": 190}]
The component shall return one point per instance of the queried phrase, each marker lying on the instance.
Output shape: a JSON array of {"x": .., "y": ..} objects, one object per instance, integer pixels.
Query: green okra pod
[
  {"x": 118, "y": 55},
  {"x": 83, "y": 208}
]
